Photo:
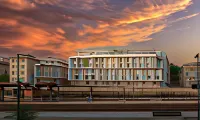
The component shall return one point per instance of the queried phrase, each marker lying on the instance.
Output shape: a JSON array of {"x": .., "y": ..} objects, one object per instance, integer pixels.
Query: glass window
[
  {"x": 13, "y": 66},
  {"x": 23, "y": 60},
  {"x": 87, "y": 82},
  {"x": 52, "y": 61},
  {"x": 22, "y": 72},
  {"x": 13, "y": 60},
  {"x": 120, "y": 59},
  {"x": 186, "y": 73},
  {"x": 93, "y": 77},
  {"x": 13, "y": 72},
  {"x": 22, "y": 66},
  {"x": 86, "y": 77}
]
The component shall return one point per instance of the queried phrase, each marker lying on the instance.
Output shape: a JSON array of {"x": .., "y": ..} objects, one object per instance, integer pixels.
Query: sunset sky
[{"x": 59, "y": 27}]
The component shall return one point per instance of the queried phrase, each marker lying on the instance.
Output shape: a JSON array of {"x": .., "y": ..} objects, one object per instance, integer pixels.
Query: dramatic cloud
[{"x": 59, "y": 27}]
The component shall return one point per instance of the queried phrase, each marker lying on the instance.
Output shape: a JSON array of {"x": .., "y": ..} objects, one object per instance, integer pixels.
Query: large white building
[{"x": 119, "y": 68}]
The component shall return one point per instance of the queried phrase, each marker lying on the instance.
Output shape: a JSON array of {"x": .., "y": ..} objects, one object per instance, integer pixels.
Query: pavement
[{"x": 108, "y": 115}]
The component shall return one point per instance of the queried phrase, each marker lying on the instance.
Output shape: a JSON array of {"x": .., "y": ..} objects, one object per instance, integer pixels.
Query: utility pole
[
  {"x": 198, "y": 85},
  {"x": 18, "y": 89}
]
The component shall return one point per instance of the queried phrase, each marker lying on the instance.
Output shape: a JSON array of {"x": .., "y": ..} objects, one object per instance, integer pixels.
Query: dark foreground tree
[{"x": 25, "y": 114}]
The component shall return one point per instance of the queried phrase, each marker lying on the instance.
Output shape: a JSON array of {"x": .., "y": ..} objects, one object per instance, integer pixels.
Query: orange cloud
[
  {"x": 18, "y": 4},
  {"x": 60, "y": 30},
  {"x": 153, "y": 12}
]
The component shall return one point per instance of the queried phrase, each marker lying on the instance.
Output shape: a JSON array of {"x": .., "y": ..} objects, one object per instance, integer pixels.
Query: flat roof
[{"x": 192, "y": 64}]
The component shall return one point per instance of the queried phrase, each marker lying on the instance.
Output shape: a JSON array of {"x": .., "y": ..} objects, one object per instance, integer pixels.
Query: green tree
[
  {"x": 25, "y": 114},
  {"x": 174, "y": 75},
  {"x": 174, "y": 69},
  {"x": 4, "y": 78}
]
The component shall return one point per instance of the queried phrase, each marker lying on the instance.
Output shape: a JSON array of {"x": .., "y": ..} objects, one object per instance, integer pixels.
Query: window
[
  {"x": 129, "y": 83},
  {"x": 120, "y": 59},
  {"x": 149, "y": 77},
  {"x": 13, "y": 60},
  {"x": 22, "y": 72},
  {"x": 157, "y": 77},
  {"x": 127, "y": 59},
  {"x": 120, "y": 65},
  {"x": 96, "y": 59},
  {"x": 127, "y": 65},
  {"x": 13, "y": 73},
  {"x": 143, "y": 82},
  {"x": 86, "y": 77},
  {"x": 76, "y": 77},
  {"x": 186, "y": 73},
  {"x": 137, "y": 77},
  {"x": 23, "y": 60},
  {"x": 93, "y": 77},
  {"x": 103, "y": 83},
  {"x": 46, "y": 61},
  {"x": 13, "y": 66},
  {"x": 87, "y": 82},
  {"x": 52, "y": 62},
  {"x": 22, "y": 66},
  {"x": 96, "y": 65},
  {"x": 154, "y": 83},
  {"x": 13, "y": 79}
]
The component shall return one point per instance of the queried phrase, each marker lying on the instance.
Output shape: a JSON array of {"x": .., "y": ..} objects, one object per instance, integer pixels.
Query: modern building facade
[
  {"x": 51, "y": 70},
  {"x": 26, "y": 68},
  {"x": 188, "y": 74},
  {"x": 119, "y": 68},
  {"x": 4, "y": 65}
]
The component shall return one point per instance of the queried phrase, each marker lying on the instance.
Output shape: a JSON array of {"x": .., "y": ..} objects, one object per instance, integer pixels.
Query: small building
[
  {"x": 119, "y": 68},
  {"x": 4, "y": 66},
  {"x": 188, "y": 74},
  {"x": 26, "y": 68},
  {"x": 51, "y": 70}
]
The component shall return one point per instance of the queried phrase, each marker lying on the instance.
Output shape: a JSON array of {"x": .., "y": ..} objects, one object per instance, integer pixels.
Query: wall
[
  {"x": 3, "y": 68},
  {"x": 30, "y": 70}
]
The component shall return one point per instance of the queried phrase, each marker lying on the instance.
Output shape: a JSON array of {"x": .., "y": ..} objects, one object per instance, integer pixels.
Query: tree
[
  {"x": 4, "y": 78},
  {"x": 174, "y": 69},
  {"x": 25, "y": 114},
  {"x": 174, "y": 74}
]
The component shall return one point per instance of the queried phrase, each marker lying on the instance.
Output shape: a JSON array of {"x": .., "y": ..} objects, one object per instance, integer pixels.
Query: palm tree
[{"x": 25, "y": 114}]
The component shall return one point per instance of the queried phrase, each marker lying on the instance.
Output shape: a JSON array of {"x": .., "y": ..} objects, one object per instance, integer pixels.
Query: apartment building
[
  {"x": 51, "y": 70},
  {"x": 188, "y": 74},
  {"x": 4, "y": 65},
  {"x": 26, "y": 68},
  {"x": 119, "y": 68}
]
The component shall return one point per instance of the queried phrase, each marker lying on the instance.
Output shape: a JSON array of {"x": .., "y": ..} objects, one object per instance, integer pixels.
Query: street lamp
[
  {"x": 18, "y": 85},
  {"x": 198, "y": 85}
]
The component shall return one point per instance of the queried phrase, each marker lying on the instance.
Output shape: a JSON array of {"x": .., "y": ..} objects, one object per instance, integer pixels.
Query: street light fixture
[
  {"x": 198, "y": 85},
  {"x": 18, "y": 85}
]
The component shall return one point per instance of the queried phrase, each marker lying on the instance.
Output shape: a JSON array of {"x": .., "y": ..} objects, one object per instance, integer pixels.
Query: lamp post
[
  {"x": 18, "y": 85},
  {"x": 198, "y": 85}
]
